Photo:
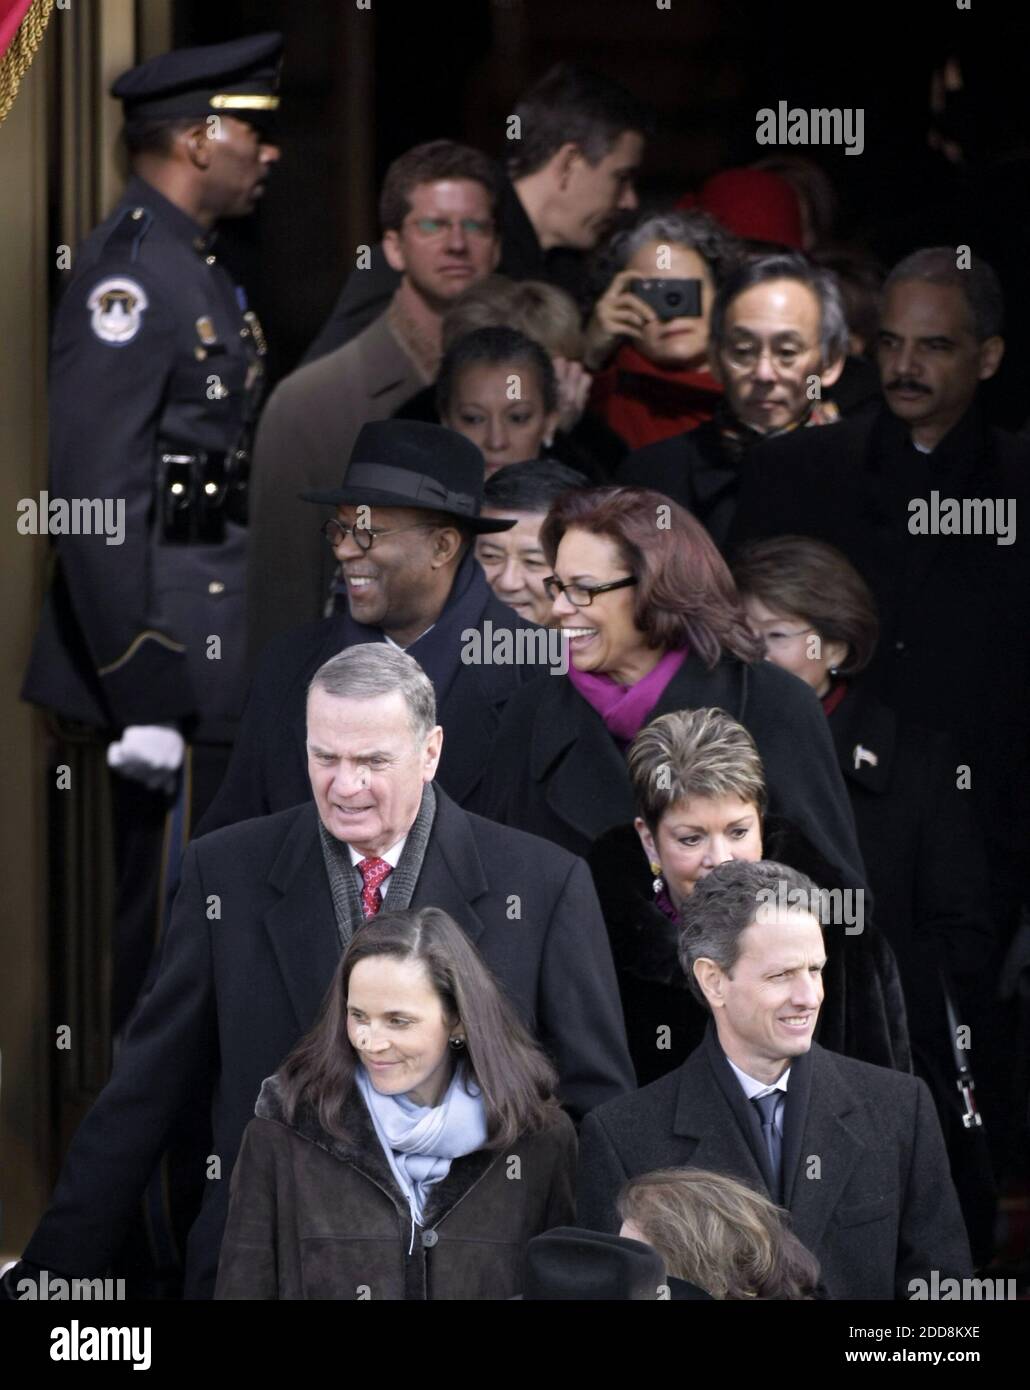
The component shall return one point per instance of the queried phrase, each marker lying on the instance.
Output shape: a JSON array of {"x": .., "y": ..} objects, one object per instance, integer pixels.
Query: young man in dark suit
[
  {"x": 853, "y": 1151},
  {"x": 407, "y": 514},
  {"x": 263, "y": 914}
]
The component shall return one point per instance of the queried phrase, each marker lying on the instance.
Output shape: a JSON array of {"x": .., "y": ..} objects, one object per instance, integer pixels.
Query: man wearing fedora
[
  {"x": 263, "y": 914},
  {"x": 407, "y": 514}
]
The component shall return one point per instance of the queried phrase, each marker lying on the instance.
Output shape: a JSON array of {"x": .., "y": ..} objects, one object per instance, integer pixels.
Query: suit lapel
[
  {"x": 300, "y": 924},
  {"x": 828, "y": 1149},
  {"x": 452, "y": 877},
  {"x": 722, "y": 1140},
  {"x": 587, "y": 786}
]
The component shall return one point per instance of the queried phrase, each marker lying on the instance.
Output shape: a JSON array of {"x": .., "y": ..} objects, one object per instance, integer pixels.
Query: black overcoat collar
[
  {"x": 301, "y": 925},
  {"x": 579, "y": 762},
  {"x": 822, "y": 1144}
]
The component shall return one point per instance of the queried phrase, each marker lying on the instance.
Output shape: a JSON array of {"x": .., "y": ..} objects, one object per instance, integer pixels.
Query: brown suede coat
[{"x": 313, "y": 1217}]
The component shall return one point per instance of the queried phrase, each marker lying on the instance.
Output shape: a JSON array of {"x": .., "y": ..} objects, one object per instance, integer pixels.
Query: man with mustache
[{"x": 954, "y": 604}]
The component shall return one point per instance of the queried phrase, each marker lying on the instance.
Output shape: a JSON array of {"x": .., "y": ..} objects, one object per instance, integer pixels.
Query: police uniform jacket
[{"x": 155, "y": 377}]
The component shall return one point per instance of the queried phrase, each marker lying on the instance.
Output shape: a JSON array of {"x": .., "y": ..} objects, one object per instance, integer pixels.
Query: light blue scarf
[{"x": 421, "y": 1140}]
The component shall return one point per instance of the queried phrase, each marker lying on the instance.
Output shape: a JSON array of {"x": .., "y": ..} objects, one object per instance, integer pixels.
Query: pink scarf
[{"x": 625, "y": 708}]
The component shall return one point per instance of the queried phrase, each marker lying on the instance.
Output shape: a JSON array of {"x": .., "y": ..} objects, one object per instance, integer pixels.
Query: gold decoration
[{"x": 14, "y": 63}]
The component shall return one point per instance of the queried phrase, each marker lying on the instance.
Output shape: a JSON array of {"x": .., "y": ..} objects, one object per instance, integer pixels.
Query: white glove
[{"x": 149, "y": 753}]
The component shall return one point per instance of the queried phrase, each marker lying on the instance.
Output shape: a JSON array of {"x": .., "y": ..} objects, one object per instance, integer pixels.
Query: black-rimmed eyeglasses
[
  {"x": 364, "y": 537},
  {"x": 579, "y": 595}
]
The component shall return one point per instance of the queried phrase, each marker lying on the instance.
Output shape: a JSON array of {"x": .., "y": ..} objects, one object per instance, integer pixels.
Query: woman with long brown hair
[
  {"x": 411, "y": 1145},
  {"x": 653, "y": 623}
]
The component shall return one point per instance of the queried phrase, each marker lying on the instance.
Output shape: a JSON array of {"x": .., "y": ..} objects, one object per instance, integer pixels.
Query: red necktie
[{"x": 374, "y": 872}]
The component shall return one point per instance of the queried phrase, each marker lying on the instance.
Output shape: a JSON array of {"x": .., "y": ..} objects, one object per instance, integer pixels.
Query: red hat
[{"x": 753, "y": 204}]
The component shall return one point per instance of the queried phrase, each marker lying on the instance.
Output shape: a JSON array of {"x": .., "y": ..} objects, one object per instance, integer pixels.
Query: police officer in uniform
[{"x": 156, "y": 378}]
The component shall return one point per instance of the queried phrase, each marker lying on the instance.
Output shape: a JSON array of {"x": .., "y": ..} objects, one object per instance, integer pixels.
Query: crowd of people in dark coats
[{"x": 630, "y": 805}]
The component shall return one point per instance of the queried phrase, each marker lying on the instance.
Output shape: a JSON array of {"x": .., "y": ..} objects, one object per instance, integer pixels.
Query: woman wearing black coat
[
  {"x": 700, "y": 796},
  {"x": 922, "y": 849},
  {"x": 654, "y": 624}
]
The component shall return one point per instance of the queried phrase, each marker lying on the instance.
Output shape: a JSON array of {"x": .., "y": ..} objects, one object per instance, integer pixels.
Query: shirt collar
[
  {"x": 397, "y": 648},
  {"x": 753, "y": 1088},
  {"x": 391, "y": 855}
]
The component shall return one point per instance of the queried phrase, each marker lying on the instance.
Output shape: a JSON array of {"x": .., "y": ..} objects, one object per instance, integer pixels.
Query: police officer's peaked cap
[
  {"x": 239, "y": 78},
  {"x": 410, "y": 463}
]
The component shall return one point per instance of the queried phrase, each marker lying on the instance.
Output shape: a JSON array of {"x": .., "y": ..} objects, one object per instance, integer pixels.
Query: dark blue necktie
[{"x": 773, "y": 1143}]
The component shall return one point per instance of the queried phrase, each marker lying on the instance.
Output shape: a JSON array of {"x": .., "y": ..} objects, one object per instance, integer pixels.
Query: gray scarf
[{"x": 343, "y": 882}]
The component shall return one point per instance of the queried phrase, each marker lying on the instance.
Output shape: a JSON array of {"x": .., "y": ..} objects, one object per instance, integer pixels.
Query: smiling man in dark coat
[
  {"x": 263, "y": 914},
  {"x": 854, "y": 1152},
  {"x": 407, "y": 512}
]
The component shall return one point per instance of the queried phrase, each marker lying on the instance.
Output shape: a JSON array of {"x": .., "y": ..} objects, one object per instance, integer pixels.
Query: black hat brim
[{"x": 374, "y": 497}]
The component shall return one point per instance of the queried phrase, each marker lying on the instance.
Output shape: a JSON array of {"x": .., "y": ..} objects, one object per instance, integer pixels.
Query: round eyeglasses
[
  {"x": 580, "y": 595},
  {"x": 363, "y": 536}
]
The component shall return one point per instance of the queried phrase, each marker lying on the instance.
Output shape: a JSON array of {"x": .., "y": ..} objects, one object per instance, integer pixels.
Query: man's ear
[
  {"x": 992, "y": 350},
  {"x": 711, "y": 979},
  {"x": 447, "y": 542},
  {"x": 193, "y": 144},
  {"x": 564, "y": 160},
  {"x": 432, "y": 749},
  {"x": 831, "y": 374},
  {"x": 394, "y": 251}
]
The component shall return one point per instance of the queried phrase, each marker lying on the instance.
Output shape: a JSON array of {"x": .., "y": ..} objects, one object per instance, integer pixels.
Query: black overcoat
[
  {"x": 248, "y": 956},
  {"x": 694, "y": 470},
  {"x": 557, "y": 772},
  {"x": 865, "y": 1173},
  {"x": 954, "y": 649}
]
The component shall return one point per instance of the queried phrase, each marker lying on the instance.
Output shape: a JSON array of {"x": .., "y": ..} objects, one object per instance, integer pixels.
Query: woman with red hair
[{"x": 653, "y": 623}]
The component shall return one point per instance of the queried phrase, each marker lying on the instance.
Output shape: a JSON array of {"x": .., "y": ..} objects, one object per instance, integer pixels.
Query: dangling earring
[
  {"x": 833, "y": 672},
  {"x": 659, "y": 883},
  {"x": 457, "y": 1043}
]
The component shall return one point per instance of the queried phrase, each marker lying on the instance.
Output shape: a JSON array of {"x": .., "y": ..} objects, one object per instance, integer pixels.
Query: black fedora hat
[
  {"x": 409, "y": 463},
  {"x": 567, "y": 1263}
]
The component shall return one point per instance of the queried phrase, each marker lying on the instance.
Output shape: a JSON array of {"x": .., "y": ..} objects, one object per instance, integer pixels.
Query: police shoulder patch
[{"x": 116, "y": 307}]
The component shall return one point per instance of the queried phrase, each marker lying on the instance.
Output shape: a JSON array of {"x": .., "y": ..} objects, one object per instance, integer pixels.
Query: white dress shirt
[
  {"x": 392, "y": 857},
  {"x": 753, "y": 1088}
]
